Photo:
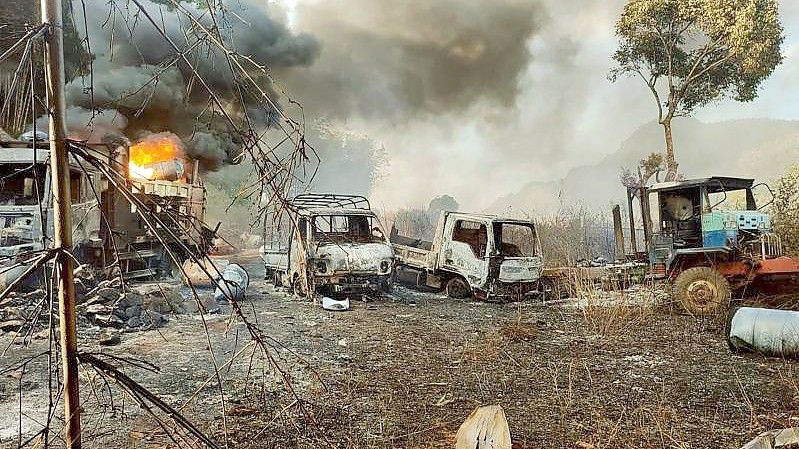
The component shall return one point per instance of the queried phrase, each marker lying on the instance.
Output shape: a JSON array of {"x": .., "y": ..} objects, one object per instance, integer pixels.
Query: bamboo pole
[{"x": 62, "y": 218}]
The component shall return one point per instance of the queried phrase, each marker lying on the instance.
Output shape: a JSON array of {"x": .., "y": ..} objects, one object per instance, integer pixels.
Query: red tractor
[{"x": 710, "y": 239}]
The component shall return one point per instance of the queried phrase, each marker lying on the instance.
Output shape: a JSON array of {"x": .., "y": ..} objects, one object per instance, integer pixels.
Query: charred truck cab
[
  {"x": 336, "y": 248},
  {"x": 709, "y": 238},
  {"x": 26, "y": 210},
  {"x": 471, "y": 254}
]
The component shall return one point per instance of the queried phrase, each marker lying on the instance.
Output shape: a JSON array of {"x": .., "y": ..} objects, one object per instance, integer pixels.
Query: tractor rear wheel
[{"x": 702, "y": 291}]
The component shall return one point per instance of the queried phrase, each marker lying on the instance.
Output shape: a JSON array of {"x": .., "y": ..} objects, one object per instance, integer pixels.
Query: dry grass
[{"x": 518, "y": 331}]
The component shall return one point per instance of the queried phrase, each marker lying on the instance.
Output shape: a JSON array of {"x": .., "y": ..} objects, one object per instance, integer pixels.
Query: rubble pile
[
  {"x": 109, "y": 307},
  {"x": 18, "y": 309},
  {"x": 141, "y": 306}
]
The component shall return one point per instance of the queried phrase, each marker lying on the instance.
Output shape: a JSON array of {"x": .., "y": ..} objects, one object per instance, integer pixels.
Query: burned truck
[
  {"x": 486, "y": 256},
  {"x": 109, "y": 232},
  {"x": 335, "y": 246}
]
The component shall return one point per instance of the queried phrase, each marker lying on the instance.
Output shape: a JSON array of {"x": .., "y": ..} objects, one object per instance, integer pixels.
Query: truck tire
[
  {"x": 702, "y": 291},
  {"x": 458, "y": 288},
  {"x": 387, "y": 286},
  {"x": 297, "y": 288}
]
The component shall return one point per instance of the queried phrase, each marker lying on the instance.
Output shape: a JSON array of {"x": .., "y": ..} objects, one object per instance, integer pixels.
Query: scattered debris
[
  {"x": 766, "y": 331},
  {"x": 109, "y": 337},
  {"x": 775, "y": 439},
  {"x": 335, "y": 305},
  {"x": 485, "y": 428},
  {"x": 11, "y": 325}
]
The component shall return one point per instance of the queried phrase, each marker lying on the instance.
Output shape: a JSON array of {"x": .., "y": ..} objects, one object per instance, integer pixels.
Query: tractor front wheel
[{"x": 702, "y": 291}]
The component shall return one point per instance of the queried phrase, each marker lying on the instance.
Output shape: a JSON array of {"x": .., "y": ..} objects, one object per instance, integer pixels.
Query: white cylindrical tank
[
  {"x": 233, "y": 284},
  {"x": 767, "y": 331}
]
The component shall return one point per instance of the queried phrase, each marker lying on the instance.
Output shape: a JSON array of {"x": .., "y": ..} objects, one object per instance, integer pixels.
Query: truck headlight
[
  {"x": 385, "y": 266},
  {"x": 321, "y": 267}
]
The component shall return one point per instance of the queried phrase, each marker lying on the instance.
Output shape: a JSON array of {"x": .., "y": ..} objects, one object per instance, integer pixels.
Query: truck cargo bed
[{"x": 411, "y": 252}]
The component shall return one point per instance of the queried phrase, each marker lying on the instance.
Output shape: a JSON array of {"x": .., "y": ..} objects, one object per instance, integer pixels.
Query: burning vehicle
[
  {"x": 472, "y": 254},
  {"x": 108, "y": 231},
  {"x": 336, "y": 247}
]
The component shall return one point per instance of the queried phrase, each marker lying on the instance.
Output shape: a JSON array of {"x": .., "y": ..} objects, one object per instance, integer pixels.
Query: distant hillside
[{"x": 758, "y": 148}]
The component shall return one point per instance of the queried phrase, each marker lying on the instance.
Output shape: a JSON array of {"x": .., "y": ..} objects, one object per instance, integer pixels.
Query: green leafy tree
[
  {"x": 693, "y": 52},
  {"x": 785, "y": 209}
]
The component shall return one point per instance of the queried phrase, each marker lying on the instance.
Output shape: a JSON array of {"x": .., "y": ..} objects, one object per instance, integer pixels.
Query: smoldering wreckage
[
  {"x": 333, "y": 248},
  {"x": 145, "y": 255}
]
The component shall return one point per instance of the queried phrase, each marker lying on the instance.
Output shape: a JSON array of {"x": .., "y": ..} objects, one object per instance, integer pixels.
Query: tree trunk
[{"x": 671, "y": 163}]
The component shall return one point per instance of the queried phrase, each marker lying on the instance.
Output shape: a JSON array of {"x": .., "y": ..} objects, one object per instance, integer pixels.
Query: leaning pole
[{"x": 62, "y": 215}]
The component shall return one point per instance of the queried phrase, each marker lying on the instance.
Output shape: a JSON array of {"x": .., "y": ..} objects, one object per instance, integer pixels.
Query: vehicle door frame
[{"x": 477, "y": 274}]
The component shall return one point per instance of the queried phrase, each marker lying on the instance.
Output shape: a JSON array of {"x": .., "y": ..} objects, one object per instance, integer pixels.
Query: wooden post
[
  {"x": 633, "y": 241},
  {"x": 618, "y": 233},
  {"x": 646, "y": 218},
  {"x": 62, "y": 216},
  {"x": 485, "y": 428}
]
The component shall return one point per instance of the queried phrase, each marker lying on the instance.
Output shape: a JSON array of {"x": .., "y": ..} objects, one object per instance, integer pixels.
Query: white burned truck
[
  {"x": 470, "y": 254},
  {"x": 335, "y": 246}
]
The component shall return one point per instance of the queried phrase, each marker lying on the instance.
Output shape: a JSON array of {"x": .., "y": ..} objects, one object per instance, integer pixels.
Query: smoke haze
[
  {"x": 406, "y": 100},
  {"x": 479, "y": 98},
  {"x": 132, "y": 76}
]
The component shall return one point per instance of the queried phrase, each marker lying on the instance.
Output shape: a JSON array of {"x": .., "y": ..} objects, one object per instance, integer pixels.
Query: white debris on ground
[
  {"x": 775, "y": 439},
  {"x": 335, "y": 305}
]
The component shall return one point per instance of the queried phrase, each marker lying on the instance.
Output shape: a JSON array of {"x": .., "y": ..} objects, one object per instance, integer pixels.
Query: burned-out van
[{"x": 336, "y": 247}]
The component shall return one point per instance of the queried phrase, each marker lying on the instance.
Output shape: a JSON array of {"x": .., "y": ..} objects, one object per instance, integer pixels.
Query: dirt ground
[{"x": 405, "y": 371}]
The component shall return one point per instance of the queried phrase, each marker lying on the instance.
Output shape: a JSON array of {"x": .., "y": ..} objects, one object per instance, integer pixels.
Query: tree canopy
[{"x": 693, "y": 52}]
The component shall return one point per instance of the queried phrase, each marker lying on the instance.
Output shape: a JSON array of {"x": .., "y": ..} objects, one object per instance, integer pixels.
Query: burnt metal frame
[{"x": 320, "y": 200}]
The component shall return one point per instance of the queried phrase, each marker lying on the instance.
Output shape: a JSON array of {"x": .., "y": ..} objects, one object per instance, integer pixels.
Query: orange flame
[{"x": 163, "y": 147}]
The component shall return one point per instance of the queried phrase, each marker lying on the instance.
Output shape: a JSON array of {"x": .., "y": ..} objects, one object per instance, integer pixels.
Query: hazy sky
[{"x": 487, "y": 132}]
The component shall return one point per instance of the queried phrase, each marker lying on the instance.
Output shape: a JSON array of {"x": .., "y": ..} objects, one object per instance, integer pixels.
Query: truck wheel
[
  {"x": 297, "y": 287},
  {"x": 458, "y": 288},
  {"x": 701, "y": 291},
  {"x": 387, "y": 286}
]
